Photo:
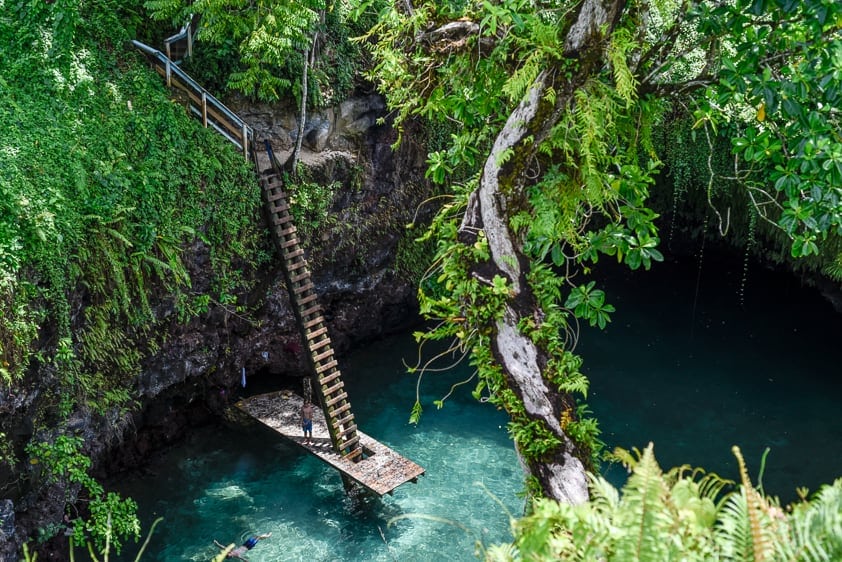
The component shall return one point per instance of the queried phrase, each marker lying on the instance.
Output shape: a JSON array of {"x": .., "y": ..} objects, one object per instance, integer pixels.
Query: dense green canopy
[{"x": 549, "y": 162}]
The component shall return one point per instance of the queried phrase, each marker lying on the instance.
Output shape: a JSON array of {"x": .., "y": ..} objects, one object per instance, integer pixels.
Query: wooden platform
[{"x": 381, "y": 470}]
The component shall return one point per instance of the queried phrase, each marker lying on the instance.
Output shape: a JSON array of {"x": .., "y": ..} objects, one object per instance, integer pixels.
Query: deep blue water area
[{"x": 692, "y": 366}]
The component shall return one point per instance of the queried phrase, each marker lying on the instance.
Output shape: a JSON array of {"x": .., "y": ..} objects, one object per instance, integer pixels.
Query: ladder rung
[
  {"x": 350, "y": 442},
  {"x": 278, "y": 209},
  {"x": 308, "y": 299},
  {"x": 296, "y": 265},
  {"x": 327, "y": 353},
  {"x": 288, "y": 231},
  {"x": 340, "y": 409},
  {"x": 344, "y": 420},
  {"x": 330, "y": 368},
  {"x": 287, "y": 243},
  {"x": 281, "y": 220},
  {"x": 315, "y": 345},
  {"x": 314, "y": 322},
  {"x": 348, "y": 431},
  {"x": 338, "y": 398},
  {"x": 299, "y": 277},
  {"x": 316, "y": 333},
  {"x": 331, "y": 377},
  {"x": 303, "y": 288},
  {"x": 294, "y": 254},
  {"x": 353, "y": 453},
  {"x": 312, "y": 310},
  {"x": 334, "y": 388},
  {"x": 275, "y": 196}
]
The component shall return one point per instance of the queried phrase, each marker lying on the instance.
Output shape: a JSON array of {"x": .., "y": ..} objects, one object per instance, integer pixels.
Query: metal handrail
[
  {"x": 186, "y": 34},
  {"x": 203, "y": 104}
]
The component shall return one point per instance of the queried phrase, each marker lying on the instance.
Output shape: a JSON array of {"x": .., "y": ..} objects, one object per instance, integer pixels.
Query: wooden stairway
[{"x": 329, "y": 387}]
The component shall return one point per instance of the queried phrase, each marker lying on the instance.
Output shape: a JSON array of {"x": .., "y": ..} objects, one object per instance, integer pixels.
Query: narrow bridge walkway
[
  {"x": 356, "y": 455},
  {"x": 380, "y": 470}
]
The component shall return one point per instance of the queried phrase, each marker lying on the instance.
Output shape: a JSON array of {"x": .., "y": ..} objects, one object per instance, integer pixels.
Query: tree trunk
[
  {"x": 560, "y": 473},
  {"x": 302, "y": 115},
  {"x": 562, "y": 476}
]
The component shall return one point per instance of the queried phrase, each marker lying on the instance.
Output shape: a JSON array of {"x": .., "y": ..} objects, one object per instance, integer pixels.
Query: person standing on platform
[{"x": 307, "y": 422}]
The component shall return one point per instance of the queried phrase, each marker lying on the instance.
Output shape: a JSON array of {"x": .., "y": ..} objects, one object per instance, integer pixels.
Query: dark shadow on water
[{"x": 689, "y": 365}]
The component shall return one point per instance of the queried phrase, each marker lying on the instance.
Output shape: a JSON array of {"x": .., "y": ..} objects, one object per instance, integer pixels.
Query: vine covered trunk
[{"x": 560, "y": 472}]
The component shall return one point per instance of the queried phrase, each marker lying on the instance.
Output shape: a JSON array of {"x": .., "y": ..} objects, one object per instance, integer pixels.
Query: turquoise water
[
  {"x": 685, "y": 363},
  {"x": 688, "y": 365},
  {"x": 225, "y": 482}
]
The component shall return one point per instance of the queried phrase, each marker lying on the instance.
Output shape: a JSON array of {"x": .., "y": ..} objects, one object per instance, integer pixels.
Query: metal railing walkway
[{"x": 204, "y": 106}]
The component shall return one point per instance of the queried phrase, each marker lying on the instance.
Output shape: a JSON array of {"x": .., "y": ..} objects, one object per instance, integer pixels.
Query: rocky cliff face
[{"x": 191, "y": 376}]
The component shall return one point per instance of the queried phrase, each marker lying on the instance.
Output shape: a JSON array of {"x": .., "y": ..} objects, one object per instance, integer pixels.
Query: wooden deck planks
[{"x": 381, "y": 471}]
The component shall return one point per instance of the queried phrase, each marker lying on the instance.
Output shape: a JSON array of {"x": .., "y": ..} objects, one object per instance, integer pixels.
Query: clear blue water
[
  {"x": 685, "y": 363},
  {"x": 226, "y": 482}
]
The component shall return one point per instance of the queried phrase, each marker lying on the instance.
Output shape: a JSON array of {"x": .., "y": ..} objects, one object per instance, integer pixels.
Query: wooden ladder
[{"x": 308, "y": 312}]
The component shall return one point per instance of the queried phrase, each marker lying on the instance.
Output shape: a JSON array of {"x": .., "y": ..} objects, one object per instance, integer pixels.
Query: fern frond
[
  {"x": 628, "y": 459},
  {"x": 575, "y": 383},
  {"x": 520, "y": 81},
  {"x": 645, "y": 516},
  {"x": 748, "y": 522},
  {"x": 712, "y": 486},
  {"x": 624, "y": 81},
  {"x": 834, "y": 268},
  {"x": 544, "y": 533},
  {"x": 502, "y": 553},
  {"x": 815, "y": 528},
  {"x": 603, "y": 496},
  {"x": 733, "y": 532},
  {"x": 757, "y": 506}
]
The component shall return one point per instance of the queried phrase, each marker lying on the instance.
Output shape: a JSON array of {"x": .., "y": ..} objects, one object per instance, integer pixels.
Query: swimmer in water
[{"x": 241, "y": 550}]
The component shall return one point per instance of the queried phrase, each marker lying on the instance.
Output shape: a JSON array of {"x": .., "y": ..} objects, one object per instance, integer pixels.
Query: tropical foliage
[
  {"x": 550, "y": 154},
  {"x": 788, "y": 71},
  {"x": 681, "y": 514},
  {"x": 556, "y": 106},
  {"x": 103, "y": 185},
  {"x": 262, "y": 50},
  {"x": 112, "y": 519},
  {"x": 103, "y": 181}
]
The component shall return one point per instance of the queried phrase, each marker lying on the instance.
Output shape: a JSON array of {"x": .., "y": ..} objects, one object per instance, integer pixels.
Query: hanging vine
[{"x": 749, "y": 248}]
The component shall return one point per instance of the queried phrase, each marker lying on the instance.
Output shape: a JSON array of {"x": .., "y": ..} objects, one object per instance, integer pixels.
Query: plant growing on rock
[{"x": 110, "y": 519}]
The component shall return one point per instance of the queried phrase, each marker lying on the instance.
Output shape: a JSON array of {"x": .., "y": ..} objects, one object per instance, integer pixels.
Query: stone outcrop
[{"x": 334, "y": 129}]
